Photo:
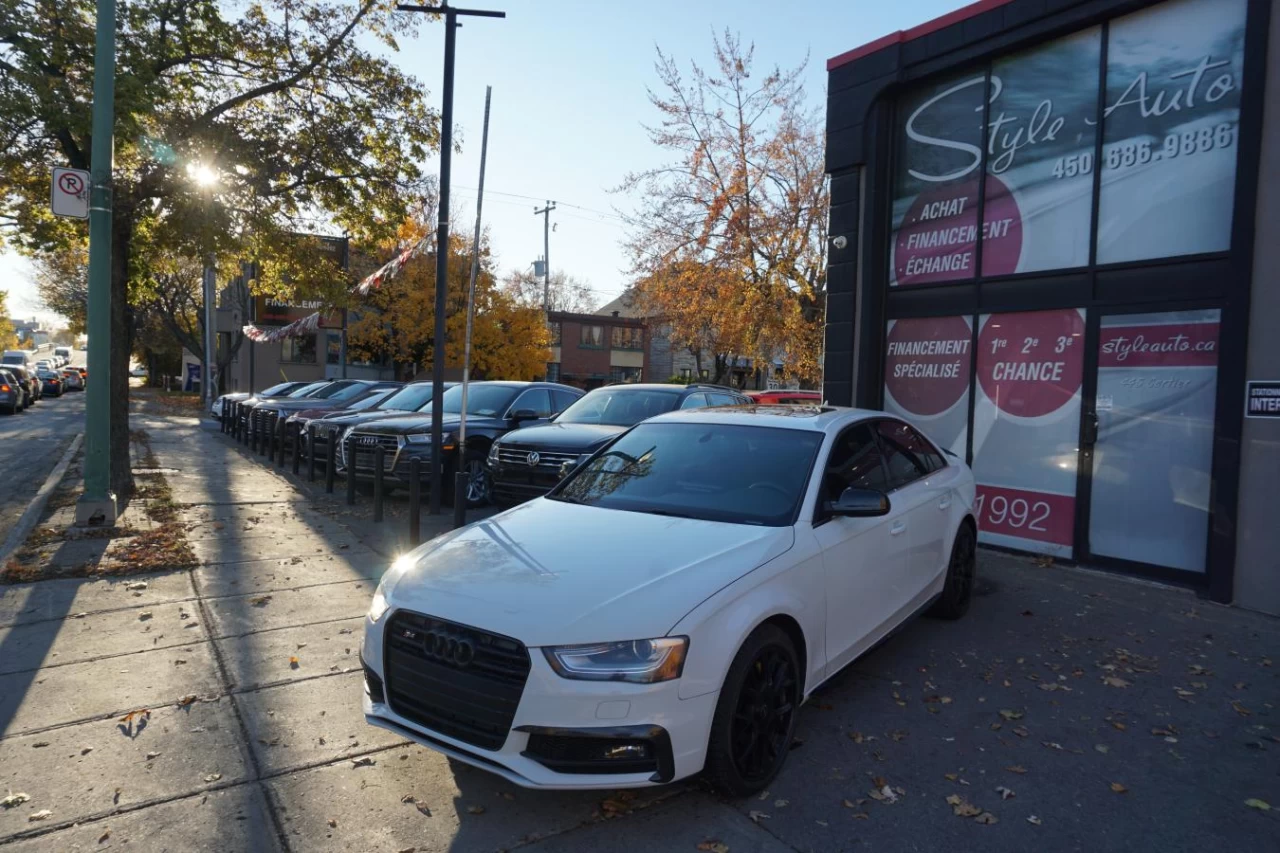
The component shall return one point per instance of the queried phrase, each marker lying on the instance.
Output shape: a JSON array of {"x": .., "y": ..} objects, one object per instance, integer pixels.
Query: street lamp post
[
  {"x": 442, "y": 236},
  {"x": 97, "y": 506}
]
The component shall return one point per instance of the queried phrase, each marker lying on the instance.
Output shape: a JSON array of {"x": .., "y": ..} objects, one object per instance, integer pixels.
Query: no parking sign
[{"x": 70, "y": 193}]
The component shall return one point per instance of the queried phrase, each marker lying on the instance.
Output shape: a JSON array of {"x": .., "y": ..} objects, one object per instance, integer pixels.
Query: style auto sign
[{"x": 1040, "y": 136}]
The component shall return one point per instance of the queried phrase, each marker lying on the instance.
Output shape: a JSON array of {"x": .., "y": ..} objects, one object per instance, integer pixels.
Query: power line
[{"x": 540, "y": 199}]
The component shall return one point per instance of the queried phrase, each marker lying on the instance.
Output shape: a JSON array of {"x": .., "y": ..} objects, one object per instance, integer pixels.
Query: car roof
[{"x": 815, "y": 418}]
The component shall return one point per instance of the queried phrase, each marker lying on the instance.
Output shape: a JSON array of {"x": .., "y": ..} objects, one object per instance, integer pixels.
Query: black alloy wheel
[
  {"x": 958, "y": 588},
  {"x": 479, "y": 483},
  {"x": 756, "y": 714}
]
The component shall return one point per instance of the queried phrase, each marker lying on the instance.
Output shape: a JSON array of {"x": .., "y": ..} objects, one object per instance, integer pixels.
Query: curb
[{"x": 35, "y": 509}]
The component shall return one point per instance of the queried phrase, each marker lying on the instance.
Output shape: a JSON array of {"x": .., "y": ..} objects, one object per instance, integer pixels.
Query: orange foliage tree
[
  {"x": 728, "y": 241},
  {"x": 508, "y": 340}
]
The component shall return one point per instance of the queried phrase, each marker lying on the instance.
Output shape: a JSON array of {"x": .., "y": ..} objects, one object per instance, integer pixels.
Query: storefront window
[
  {"x": 1169, "y": 134},
  {"x": 935, "y": 186},
  {"x": 1026, "y": 428},
  {"x": 1157, "y": 392},
  {"x": 1040, "y": 150},
  {"x": 926, "y": 376},
  {"x": 300, "y": 350}
]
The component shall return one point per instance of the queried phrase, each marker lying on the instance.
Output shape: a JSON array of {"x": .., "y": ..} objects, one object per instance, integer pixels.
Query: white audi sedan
[{"x": 668, "y": 606}]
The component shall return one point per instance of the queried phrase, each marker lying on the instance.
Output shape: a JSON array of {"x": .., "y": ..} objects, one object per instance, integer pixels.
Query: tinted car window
[
  {"x": 905, "y": 452},
  {"x": 373, "y": 399},
  {"x": 282, "y": 388},
  {"x": 563, "y": 399},
  {"x": 410, "y": 398},
  {"x": 486, "y": 401},
  {"x": 694, "y": 401},
  {"x": 724, "y": 399},
  {"x": 855, "y": 461},
  {"x": 306, "y": 390},
  {"x": 535, "y": 399},
  {"x": 349, "y": 392},
  {"x": 619, "y": 406},
  {"x": 698, "y": 471}
]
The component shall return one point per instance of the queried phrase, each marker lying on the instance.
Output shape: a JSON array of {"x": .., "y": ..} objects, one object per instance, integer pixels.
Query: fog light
[{"x": 626, "y": 751}]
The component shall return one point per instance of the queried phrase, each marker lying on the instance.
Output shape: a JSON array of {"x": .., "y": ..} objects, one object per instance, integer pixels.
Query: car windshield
[
  {"x": 485, "y": 401},
  {"x": 619, "y": 406},
  {"x": 410, "y": 398},
  {"x": 305, "y": 390},
  {"x": 711, "y": 471},
  {"x": 277, "y": 390},
  {"x": 372, "y": 399},
  {"x": 346, "y": 392}
]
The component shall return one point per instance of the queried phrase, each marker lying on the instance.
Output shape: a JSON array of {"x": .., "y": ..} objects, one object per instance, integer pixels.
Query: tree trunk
[{"x": 121, "y": 348}]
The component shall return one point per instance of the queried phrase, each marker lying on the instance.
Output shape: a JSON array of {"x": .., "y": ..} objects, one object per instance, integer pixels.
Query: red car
[{"x": 782, "y": 397}]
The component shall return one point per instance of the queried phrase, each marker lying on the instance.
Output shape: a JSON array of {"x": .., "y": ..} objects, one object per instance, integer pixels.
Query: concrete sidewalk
[{"x": 1119, "y": 715}]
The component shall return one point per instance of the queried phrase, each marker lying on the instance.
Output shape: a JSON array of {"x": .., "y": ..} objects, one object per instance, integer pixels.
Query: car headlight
[
  {"x": 425, "y": 438},
  {"x": 637, "y": 661},
  {"x": 493, "y": 453},
  {"x": 379, "y": 606}
]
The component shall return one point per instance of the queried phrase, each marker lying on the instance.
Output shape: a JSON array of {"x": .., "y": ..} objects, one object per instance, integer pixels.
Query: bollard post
[
  {"x": 311, "y": 455},
  {"x": 415, "y": 501},
  {"x": 222, "y": 417},
  {"x": 296, "y": 443},
  {"x": 253, "y": 431},
  {"x": 379, "y": 455},
  {"x": 330, "y": 463},
  {"x": 353, "y": 453},
  {"x": 281, "y": 429},
  {"x": 235, "y": 421},
  {"x": 459, "y": 499}
]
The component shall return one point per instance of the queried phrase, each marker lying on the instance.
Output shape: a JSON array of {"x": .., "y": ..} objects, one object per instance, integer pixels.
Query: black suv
[
  {"x": 493, "y": 410},
  {"x": 413, "y": 397},
  {"x": 528, "y": 463}
]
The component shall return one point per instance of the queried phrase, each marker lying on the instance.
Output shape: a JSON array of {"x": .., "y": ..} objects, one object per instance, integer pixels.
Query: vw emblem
[
  {"x": 447, "y": 647},
  {"x": 533, "y": 458}
]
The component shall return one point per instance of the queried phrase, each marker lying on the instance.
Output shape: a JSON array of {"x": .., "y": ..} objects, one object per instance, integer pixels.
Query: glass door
[{"x": 1151, "y": 434}]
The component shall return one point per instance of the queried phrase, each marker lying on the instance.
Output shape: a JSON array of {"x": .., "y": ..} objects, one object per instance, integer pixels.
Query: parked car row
[
  {"x": 522, "y": 437},
  {"x": 22, "y": 386}
]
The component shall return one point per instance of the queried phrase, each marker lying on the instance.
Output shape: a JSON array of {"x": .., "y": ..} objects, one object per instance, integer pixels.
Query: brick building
[{"x": 590, "y": 350}]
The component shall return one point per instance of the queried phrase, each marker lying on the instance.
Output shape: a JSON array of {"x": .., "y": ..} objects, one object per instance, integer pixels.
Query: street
[{"x": 31, "y": 443}]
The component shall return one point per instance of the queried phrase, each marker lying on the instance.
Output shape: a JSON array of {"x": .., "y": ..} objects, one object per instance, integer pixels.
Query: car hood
[
  {"x": 553, "y": 573},
  {"x": 421, "y": 422},
  {"x": 563, "y": 436},
  {"x": 289, "y": 404},
  {"x": 341, "y": 418}
]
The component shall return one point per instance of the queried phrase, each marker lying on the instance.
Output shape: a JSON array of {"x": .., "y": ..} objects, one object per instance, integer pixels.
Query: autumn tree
[
  {"x": 8, "y": 338},
  {"x": 62, "y": 282},
  {"x": 728, "y": 240},
  {"x": 508, "y": 341},
  {"x": 565, "y": 292},
  {"x": 235, "y": 124}
]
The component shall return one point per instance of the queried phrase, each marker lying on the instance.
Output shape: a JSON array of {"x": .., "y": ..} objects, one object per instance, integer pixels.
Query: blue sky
[{"x": 569, "y": 80}]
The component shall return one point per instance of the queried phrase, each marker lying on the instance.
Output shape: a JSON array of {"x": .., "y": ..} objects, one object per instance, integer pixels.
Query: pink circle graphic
[
  {"x": 927, "y": 363},
  {"x": 1030, "y": 363},
  {"x": 937, "y": 240}
]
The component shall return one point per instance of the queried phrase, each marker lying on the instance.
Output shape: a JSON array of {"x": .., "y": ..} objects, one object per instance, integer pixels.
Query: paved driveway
[{"x": 218, "y": 709}]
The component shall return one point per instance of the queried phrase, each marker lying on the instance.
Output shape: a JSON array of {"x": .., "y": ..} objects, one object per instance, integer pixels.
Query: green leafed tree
[{"x": 236, "y": 124}]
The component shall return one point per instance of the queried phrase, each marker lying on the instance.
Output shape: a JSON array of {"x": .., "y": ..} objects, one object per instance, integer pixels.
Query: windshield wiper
[{"x": 670, "y": 513}]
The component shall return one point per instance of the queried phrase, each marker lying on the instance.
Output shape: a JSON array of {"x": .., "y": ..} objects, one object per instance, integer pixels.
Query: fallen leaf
[
  {"x": 1113, "y": 681},
  {"x": 1260, "y": 805},
  {"x": 423, "y": 809},
  {"x": 1016, "y": 768},
  {"x": 986, "y": 818},
  {"x": 151, "y": 755},
  {"x": 951, "y": 777},
  {"x": 407, "y": 850},
  {"x": 1021, "y": 731},
  {"x": 714, "y": 847},
  {"x": 1118, "y": 788},
  {"x": 144, "y": 616},
  {"x": 1005, "y": 793},
  {"x": 293, "y": 662},
  {"x": 20, "y": 798},
  {"x": 1011, "y": 715},
  {"x": 962, "y": 807},
  {"x": 106, "y": 833},
  {"x": 1102, "y": 747},
  {"x": 40, "y": 815},
  {"x": 363, "y": 762},
  {"x": 259, "y": 600},
  {"x": 781, "y": 804},
  {"x": 757, "y": 816},
  {"x": 1119, "y": 726},
  {"x": 849, "y": 804},
  {"x": 213, "y": 777},
  {"x": 40, "y": 744},
  {"x": 475, "y": 809},
  {"x": 332, "y": 823},
  {"x": 1034, "y": 820},
  {"x": 136, "y": 586},
  {"x": 408, "y": 798}
]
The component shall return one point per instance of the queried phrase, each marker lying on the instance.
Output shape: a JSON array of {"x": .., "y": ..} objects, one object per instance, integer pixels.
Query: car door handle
[
  {"x": 945, "y": 502},
  {"x": 897, "y": 527}
]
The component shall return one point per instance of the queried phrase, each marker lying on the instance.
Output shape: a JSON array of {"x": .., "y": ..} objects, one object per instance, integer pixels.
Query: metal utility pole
[
  {"x": 98, "y": 504},
  {"x": 207, "y": 392},
  {"x": 545, "y": 213},
  {"x": 442, "y": 235},
  {"x": 462, "y": 477}
]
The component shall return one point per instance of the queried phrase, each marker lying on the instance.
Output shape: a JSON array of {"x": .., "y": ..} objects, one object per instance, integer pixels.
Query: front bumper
[
  {"x": 561, "y": 727},
  {"x": 521, "y": 482}
]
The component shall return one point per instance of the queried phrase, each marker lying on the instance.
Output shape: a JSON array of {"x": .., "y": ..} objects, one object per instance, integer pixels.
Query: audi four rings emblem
[
  {"x": 447, "y": 647},
  {"x": 368, "y": 439},
  {"x": 533, "y": 458}
]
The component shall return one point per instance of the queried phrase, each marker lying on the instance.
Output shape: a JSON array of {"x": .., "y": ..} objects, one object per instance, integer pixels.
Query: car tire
[
  {"x": 479, "y": 481},
  {"x": 755, "y": 716},
  {"x": 957, "y": 590}
]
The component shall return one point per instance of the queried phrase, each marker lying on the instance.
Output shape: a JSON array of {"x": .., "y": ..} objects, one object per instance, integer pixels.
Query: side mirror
[
  {"x": 524, "y": 415},
  {"x": 859, "y": 503}
]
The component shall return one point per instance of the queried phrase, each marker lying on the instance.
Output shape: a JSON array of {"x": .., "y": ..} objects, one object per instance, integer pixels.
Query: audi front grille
[
  {"x": 517, "y": 455},
  {"x": 453, "y": 679},
  {"x": 365, "y": 442}
]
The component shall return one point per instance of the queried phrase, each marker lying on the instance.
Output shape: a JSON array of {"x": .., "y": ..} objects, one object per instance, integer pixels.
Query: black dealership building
[{"x": 1054, "y": 246}]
